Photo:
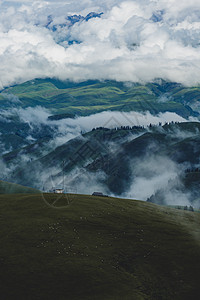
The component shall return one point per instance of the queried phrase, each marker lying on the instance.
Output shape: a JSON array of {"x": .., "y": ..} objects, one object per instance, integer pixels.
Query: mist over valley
[{"x": 119, "y": 148}]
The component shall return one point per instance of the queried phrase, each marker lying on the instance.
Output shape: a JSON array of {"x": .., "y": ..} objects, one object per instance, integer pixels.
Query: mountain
[
  {"x": 178, "y": 142},
  {"x": 85, "y": 98},
  {"x": 120, "y": 156},
  {"x": 109, "y": 248},
  {"x": 71, "y": 20},
  {"x": 76, "y": 153},
  {"x": 16, "y": 134},
  {"x": 40, "y": 147}
]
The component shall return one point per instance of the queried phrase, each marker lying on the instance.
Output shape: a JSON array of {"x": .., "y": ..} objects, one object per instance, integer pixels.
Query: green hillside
[
  {"x": 69, "y": 99},
  {"x": 34, "y": 150},
  {"x": 12, "y": 188},
  {"x": 97, "y": 248}
]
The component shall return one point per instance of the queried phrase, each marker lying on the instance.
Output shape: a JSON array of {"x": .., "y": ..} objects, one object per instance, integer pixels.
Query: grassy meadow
[
  {"x": 88, "y": 247},
  {"x": 85, "y": 98}
]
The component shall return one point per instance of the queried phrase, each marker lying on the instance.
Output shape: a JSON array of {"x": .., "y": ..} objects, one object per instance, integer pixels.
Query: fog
[
  {"x": 161, "y": 176},
  {"x": 36, "y": 118}
]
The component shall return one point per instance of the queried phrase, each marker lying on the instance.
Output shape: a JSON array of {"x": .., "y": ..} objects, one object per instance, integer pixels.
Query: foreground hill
[
  {"x": 12, "y": 188},
  {"x": 86, "y": 247}
]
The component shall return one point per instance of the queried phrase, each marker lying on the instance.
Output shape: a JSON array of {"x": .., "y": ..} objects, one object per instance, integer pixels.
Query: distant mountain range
[
  {"x": 110, "y": 157},
  {"x": 116, "y": 153},
  {"x": 66, "y": 99}
]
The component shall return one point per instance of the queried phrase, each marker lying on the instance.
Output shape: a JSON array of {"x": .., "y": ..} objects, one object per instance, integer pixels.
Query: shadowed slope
[
  {"x": 12, "y": 188},
  {"x": 97, "y": 248}
]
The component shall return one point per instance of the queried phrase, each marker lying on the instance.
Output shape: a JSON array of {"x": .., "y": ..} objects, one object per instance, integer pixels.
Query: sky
[{"x": 134, "y": 41}]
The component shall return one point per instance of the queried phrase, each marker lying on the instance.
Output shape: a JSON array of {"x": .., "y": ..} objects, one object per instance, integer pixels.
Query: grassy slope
[
  {"x": 12, "y": 188},
  {"x": 97, "y": 248},
  {"x": 36, "y": 149},
  {"x": 92, "y": 97}
]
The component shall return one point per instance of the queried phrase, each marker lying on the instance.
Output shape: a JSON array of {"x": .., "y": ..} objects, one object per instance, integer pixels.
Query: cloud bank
[
  {"x": 158, "y": 174},
  {"x": 66, "y": 129},
  {"x": 135, "y": 41}
]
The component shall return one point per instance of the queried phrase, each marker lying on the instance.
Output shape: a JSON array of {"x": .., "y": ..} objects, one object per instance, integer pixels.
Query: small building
[
  {"x": 97, "y": 194},
  {"x": 58, "y": 191}
]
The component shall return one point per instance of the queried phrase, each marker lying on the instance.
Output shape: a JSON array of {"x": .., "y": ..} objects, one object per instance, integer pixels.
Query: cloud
[
  {"x": 135, "y": 41},
  {"x": 34, "y": 115},
  {"x": 117, "y": 119},
  {"x": 109, "y": 119},
  {"x": 65, "y": 129},
  {"x": 11, "y": 98},
  {"x": 161, "y": 177}
]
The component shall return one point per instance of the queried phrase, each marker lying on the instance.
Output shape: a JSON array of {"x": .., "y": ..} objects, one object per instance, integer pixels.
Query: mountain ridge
[
  {"x": 114, "y": 152},
  {"x": 90, "y": 97}
]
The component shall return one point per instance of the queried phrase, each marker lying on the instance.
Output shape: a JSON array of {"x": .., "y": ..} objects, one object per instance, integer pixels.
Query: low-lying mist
[
  {"x": 158, "y": 178},
  {"x": 33, "y": 123},
  {"x": 151, "y": 172}
]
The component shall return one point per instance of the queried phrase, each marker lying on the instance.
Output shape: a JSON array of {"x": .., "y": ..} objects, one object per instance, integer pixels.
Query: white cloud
[
  {"x": 157, "y": 173},
  {"x": 124, "y": 44},
  {"x": 67, "y": 129}
]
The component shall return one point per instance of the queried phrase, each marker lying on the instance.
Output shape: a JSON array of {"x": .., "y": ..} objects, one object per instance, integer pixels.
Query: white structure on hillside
[{"x": 58, "y": 191}]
